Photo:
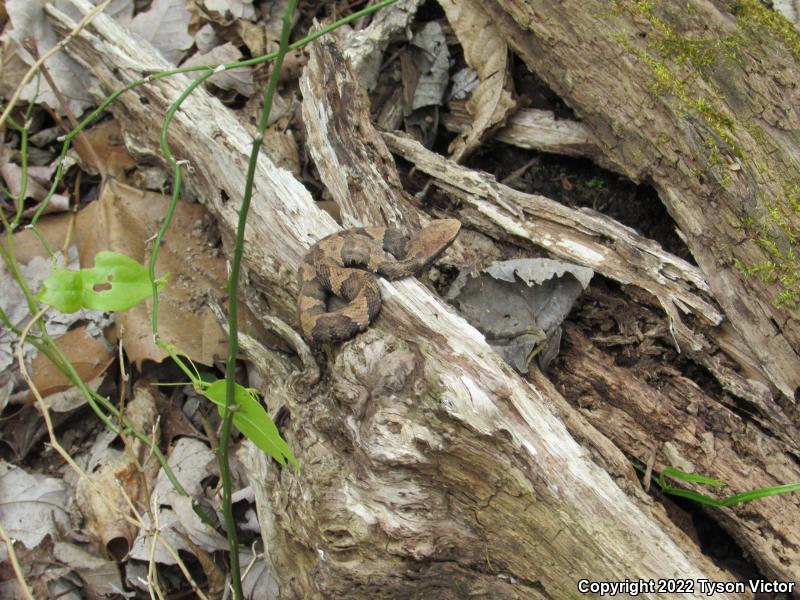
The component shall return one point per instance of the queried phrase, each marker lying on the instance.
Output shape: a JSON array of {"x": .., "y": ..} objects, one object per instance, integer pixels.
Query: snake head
[{"x": 433, "y": 239}]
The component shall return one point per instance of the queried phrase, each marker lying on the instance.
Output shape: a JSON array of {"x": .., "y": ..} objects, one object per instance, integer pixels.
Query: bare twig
[{"x": 12, "y": 557}]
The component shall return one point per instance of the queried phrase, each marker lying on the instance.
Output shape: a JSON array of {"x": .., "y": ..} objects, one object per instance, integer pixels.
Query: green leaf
[
  {"x": 115, "y": 283},
  {"x": 692, "y": 477},
  {"x": 253, "y": 421}
]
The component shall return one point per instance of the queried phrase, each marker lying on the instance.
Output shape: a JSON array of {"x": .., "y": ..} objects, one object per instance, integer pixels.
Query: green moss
[
  {"x": 756, "y": 17},
  {"x": 681, "y": 66}
]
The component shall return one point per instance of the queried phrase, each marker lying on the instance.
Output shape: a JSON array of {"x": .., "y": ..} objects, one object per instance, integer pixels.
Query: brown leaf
[
  {"x": 109, "y": 147},
  {"x": 486, "y": 52},
  {"x": 115, "y": 474},
  {"x": 122, "y": 221},
  {"x": 89, "y": 355}
]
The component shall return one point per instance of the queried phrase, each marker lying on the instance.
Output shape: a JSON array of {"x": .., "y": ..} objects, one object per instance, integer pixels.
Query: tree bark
[
  {"x": 429, "y": 467},
  {"x": 698, "y": 98}
]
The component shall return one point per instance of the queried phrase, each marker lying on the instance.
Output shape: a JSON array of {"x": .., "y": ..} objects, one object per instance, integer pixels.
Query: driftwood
[{"x": 430, "y": 468}]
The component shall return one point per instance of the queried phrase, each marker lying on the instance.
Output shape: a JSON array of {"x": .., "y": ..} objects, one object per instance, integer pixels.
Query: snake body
[{"x": 344, "y": 264}]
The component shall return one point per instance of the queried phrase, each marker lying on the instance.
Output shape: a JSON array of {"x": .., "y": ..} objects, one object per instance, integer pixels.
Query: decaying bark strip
[
  {"x": 535, "y": 129},
  {"x": 582, "y": 236},
  {"x": 429, "y": 466}
]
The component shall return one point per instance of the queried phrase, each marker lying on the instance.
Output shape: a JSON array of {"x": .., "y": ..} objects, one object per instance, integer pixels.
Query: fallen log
[{"x": 429, "y": 466}]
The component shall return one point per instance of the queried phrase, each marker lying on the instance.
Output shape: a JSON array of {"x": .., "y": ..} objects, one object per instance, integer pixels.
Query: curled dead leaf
[{"x": 486, "y": 51}]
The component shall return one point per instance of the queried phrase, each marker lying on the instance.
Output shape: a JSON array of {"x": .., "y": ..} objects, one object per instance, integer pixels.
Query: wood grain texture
[{"x": 700, "y": 99}]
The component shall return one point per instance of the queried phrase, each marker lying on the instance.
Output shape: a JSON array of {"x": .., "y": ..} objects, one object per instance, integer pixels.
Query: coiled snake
[{"x": 344, "y": 263}]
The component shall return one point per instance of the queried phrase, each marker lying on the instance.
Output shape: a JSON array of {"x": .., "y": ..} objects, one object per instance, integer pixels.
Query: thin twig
[
  {"x": 12, "y": 557},
  {"x": 81, "y": 140}
]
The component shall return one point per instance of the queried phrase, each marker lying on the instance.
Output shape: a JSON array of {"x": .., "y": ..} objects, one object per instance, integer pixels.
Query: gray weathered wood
[{"x": 429, "y": 466}]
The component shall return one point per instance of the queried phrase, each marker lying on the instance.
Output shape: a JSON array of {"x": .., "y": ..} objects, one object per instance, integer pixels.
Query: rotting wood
[
  {"x": 354, "y": 178},
  {"x": 700, "y": 436},
  {"x": 535, "y": 129},
  {"x": 591, "y": 239},
  {"x": 582, "y": 236},
  {"x": 697, "y": 98},
  {"x": 429, "y": 466}
]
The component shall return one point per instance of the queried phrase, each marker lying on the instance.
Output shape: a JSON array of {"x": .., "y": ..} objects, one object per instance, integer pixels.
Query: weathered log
[
  {"x": 538, "y": 130},
  {"x": 430, "y": 468},
  {"x": 594, "y": 240},
  {"x": 699, "y": 99}
]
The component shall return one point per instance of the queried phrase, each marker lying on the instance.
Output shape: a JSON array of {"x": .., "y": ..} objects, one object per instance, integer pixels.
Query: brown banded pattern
[{"x": 344, "y": 264}]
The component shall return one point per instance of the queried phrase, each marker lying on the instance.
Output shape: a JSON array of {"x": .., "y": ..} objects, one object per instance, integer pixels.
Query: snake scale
[{"x": 344, "y": 264}]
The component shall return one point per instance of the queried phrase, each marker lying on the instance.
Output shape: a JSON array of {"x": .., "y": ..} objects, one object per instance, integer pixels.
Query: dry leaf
[
  {"x": 115, "y": 474},
  {"x": 100, "y": 576},
  {"x": 31, "y": 506},
  {"x": 89, "y": 355},
  {"x": 13, "y": 67},
  {"x": 192, "y": 462},
  {"x": 240, "y": 80},
  {"x": 29, "y": 22},
  {"x": 166, "y": 26},
  {"x": 365, "y": 47},
  {"x": 109, "y": 147},
  {"x": 34, "y": 189},
  {"x": 226, "y": 11},
  {"x": 121, "y": 10},
  {"x": 519, "y": 305},
  {"x": 122, "y": 220},
  {"x": 206, "y": 39},
  {"x": 486, "y": 52},
  {"x": 432, "y": 61}
]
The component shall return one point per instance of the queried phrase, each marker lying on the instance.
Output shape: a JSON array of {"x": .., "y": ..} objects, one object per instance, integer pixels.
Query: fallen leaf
[
  {"x": 192, "y": 462},
  {"x": 106, "y": 140},
  {"x": 240, "y": 80},
  {"x": 486, "y": 51},
  {"x": 365, "y": 48},
  {"x": 432, "y": 60},
  {"x": 519, "y": 304},
  {"x": 101, "y": 577},
  {"x": 115, "y": 474},
  {"x": 29, "y": 21},
  {"x": 31, "y": 506},
  {"x": 226, "y": 11},
  {"x": 34, "y": 190},
  {"x": 89, "y": 355},
  {"x": 464, "y": 81},
  {"x": 123, "y": 220},
  {"x": 166, "y": 26},
  {"x": 206, "y": 39}
]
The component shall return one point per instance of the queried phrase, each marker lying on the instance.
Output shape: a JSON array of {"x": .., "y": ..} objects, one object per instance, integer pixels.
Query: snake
[{"x": 345, "y": 264}]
